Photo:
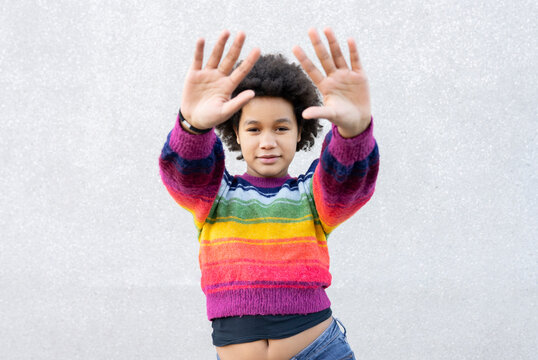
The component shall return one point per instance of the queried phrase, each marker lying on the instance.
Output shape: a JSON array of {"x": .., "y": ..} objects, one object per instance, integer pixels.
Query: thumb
[
  {"x": 233, "y": 105},
  {"x": 319, "y": 112}
]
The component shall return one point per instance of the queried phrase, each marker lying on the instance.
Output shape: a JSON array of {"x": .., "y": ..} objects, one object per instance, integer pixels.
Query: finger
[
  {"x": 216, "y": 54},
  {"x": 307, "y": 65},
  {"x": 246, "y": 65},
  {"x": 321, "y": 52},
  {"x": 233, "y": 106},
  {"x": 198, "y": 55},
  {"x": 354, "y": 55},
  {"x": 338, "y": 58},
  {"x": 319, "y": 112},
  {"x": 227, "y": 64}
]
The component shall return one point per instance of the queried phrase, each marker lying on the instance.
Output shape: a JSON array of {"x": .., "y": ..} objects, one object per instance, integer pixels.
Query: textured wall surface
[{"x": 98, "y": 262}]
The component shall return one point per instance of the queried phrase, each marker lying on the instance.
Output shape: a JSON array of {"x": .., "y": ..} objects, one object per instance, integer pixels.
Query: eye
[
  {"x": 282, "y": 128},
  {"x": 252, "y": 129}
]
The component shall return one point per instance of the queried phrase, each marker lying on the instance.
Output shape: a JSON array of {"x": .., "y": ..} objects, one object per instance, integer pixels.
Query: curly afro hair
[{"x": 273, "y": 75}]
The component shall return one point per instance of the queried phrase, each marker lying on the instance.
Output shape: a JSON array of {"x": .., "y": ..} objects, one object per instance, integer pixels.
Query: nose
[{"x": 267, "y": 140}]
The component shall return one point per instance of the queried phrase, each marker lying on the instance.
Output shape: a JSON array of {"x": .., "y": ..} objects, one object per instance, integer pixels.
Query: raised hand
[
  {"x": 346, "y": 95},
  {"x": 206, "y": 99}
]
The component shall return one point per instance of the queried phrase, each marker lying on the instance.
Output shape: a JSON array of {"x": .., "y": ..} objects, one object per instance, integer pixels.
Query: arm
[
  {"x": 191, "y": 168},
  {"x": 192, "y": 165},
  {"x": 345, "y": 177}
]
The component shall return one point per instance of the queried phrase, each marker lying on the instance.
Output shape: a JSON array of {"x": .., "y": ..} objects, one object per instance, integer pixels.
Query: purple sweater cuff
[
  {"x": 190, "y": 146},
  {"x": 349, "y": 150}
]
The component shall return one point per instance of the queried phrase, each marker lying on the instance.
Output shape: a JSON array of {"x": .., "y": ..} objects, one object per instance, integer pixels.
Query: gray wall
[{"x": 98, "y": 262}]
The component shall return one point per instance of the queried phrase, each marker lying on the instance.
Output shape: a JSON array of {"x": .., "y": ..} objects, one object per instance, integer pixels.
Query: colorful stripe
[{"x": 263, "y": 250}]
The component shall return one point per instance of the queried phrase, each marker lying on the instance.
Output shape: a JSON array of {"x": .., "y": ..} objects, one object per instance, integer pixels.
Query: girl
[{"x": 263, "y": 235}]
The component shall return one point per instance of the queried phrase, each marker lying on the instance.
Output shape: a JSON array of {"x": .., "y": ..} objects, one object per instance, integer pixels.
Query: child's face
[{"x": 268, "y": 136}]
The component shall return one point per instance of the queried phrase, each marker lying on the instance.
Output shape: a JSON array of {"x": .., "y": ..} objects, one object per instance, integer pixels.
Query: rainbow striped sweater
[{"x": 263, "y": 241}]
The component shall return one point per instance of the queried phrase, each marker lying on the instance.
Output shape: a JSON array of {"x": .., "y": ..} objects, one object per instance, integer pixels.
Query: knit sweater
[{"x": 263, "y": 241}]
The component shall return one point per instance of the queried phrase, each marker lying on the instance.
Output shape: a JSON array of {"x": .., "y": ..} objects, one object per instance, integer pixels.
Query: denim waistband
[{"x": 326, "y": 337}]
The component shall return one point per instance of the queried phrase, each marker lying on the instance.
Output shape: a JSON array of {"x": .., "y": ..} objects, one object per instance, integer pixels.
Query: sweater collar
[{"x": 265, "y": 182}]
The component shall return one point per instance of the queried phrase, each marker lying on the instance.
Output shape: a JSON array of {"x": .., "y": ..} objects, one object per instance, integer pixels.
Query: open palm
[
  {"x": 206, "y": 98},
  {"x": 345, "y": 90}
]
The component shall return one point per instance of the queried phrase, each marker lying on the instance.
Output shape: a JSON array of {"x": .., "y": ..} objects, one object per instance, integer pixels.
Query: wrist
[
  {"x": 185, "y": 124},
  {"x": 355, "y": 131}
]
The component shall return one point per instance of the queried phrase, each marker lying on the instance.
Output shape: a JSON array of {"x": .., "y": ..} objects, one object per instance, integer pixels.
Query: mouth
[{"x": 268, "y": 159}]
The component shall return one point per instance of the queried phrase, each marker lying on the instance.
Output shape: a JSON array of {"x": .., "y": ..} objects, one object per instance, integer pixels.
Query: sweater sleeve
[
  {"x": 191, "y": 168},
  {"x": 344, "y": 179}
]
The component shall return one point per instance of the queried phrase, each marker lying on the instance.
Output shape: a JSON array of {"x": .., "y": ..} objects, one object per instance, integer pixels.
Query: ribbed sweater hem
[
  {"x": 266, "y": 301},
  {"x": 348, "y": 150},
  {"x": 191, "y": 146}
]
